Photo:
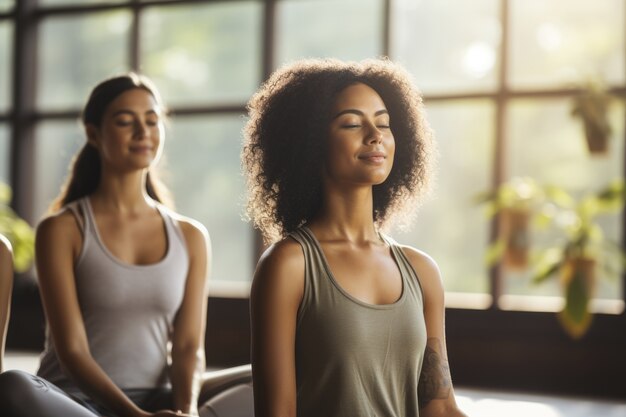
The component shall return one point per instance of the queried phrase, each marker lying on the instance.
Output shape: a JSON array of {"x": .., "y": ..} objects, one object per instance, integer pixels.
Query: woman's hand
[
  {"x": 164, "y": 413},
  {"x": 169, "y": 413}
]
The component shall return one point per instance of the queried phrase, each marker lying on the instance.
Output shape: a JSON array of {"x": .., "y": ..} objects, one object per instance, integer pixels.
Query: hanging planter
[
  {"x": 520, "y": 204},
  {"x": 591, "y": 105},
  {"x": 516, "y": 233}
]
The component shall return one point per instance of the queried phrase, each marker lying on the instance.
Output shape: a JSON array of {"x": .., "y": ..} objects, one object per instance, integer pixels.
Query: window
[
  {"x": 351, "y": 29},
  {"x": 4, "y": 153},
  {"x": 77, "y": 51},
  {"x": 498, "y": 78}
]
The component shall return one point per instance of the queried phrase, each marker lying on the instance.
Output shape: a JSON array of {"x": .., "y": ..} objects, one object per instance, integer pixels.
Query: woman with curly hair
[{"x": 345, "y": 321}]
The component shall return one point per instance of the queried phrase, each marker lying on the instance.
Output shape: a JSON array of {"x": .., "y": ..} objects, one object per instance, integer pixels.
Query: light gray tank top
[
  {"x": 128, "y": 310},
  {"x": 352, "y": 358}
]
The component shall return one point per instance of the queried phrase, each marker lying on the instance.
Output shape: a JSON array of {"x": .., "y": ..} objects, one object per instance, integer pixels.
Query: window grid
[{"x": 27, "y": 16}]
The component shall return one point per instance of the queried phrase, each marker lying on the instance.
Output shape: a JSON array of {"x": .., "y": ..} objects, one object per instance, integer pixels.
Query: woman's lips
[
  {"x": 373, "y": 157},
  {"x": 141, "y": 149}
]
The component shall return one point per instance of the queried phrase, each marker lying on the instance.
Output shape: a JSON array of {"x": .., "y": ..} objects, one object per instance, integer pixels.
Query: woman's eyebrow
[
  {"x": 127, "y": 111},
  {"x": 359, "y": 112}
]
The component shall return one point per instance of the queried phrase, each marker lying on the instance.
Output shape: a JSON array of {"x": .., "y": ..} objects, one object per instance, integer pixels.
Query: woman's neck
[
  {"x": 346, "y": 215},
  {"x": 123, "y": 193}
]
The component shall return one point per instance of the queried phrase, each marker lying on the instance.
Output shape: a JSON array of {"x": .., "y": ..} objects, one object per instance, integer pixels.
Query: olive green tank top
[{"x": 355, "y": 359}]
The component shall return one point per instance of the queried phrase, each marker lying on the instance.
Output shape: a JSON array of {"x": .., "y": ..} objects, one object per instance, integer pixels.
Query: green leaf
[
  {"x": 495, "y": 252},
  {"x": 575, "y": 316},
  {"x": 576, "y": 297},
  {"x": 5, "y": 193}
]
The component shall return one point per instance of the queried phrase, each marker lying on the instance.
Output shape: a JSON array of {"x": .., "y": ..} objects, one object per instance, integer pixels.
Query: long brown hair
[{"x": 85, "y": 168}]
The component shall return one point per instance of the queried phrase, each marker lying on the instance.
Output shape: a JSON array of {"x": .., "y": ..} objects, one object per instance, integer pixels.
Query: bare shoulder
[
  {"x": 5, "y": 246},
  {"x": 282, "y": 257},
  {"x": 281, "y": 267},
  {"x": 59, "y": 227},
  {"x": 425, "y": 267},
  {"x": 196, "y": 235}
]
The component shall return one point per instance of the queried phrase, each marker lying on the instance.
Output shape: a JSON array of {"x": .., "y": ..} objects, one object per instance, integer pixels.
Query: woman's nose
[
  {"x": 140, "y": 130},
  {"x": 374, "y": 135}
]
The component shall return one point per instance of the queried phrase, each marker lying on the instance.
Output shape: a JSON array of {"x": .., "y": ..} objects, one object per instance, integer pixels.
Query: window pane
[
  {"x": 6, "y": 42},
  {"x": 463, "y": 56},
  {"x": 548, "y": 145},
  {"x": 565, "y": 41},
  {"x": 450, "y": 227},
  {"x": 6, "y": 5},
  {"x": 4, "y": 153},
  {"x": 344, "y": 29},
  {"x": 56, "y": 142},
  {"x": 77, "y": 52},
  {"x": 202, "y": 159},
  {"x": 203, "y": 53}
]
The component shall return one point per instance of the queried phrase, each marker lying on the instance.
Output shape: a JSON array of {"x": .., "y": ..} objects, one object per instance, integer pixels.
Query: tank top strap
[
  {"x": 410, "y": 278},
  {"x": 172, "y": 226},
  {"x": 75, "y": 208},
  {"x": 89, "y": 221},
  {"x": 315, "y": 286}
]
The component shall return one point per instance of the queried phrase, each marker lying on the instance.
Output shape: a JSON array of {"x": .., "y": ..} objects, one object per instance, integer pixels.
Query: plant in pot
[
  {"x": 592, "y": 105},
  {"x": 584, "y": 256},
  {"x": 520, "y": 203},
  {"x": 17, "y": 230}
]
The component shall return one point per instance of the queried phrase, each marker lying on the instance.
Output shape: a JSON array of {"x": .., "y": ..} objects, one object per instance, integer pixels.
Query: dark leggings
[{"x": 26, "y": 395}]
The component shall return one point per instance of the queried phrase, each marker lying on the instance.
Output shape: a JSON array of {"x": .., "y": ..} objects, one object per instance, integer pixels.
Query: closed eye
[{"x": 123, "y": 123}]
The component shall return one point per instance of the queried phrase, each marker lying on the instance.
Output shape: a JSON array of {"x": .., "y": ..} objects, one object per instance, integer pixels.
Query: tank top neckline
[
  {"x": 91, "y": 221},
  {"x": 326, "y": 266}
]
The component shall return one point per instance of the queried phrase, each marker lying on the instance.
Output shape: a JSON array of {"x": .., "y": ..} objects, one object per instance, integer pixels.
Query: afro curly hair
[{"x": 285, "y": 142}]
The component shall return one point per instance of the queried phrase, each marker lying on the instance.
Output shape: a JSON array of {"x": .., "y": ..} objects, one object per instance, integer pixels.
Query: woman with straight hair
[
  {"x": 345, "y": 321},
  {"x": 123, "y": 278}
]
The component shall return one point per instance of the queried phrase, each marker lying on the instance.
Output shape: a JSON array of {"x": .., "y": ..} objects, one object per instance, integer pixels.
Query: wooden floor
[
  {"x": 480, "y": 403},
  {"x": 474, "y": 402}
]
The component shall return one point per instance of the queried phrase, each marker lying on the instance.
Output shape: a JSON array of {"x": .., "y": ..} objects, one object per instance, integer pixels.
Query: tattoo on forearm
[{"x": 435, "y": 381}]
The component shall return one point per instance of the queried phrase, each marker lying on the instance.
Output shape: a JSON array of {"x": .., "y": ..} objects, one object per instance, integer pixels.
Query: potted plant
[
  {"x": 583, "y": 256},
  {"x": 17, "y": 230},
  {"x": 592, "y": 104},
  {"x": 519, "y": 203}
]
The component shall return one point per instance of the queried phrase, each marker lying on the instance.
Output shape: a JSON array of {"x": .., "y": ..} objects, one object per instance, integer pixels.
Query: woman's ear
[{"x": 92, "y": 135}]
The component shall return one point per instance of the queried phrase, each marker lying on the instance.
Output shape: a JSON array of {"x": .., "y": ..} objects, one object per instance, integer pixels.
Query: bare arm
[
  {"x": 276, "y": 294},
  {"x": 6, "y": 286},
  {"x": 435, "y": 391},
  {"x": 189, "y": 324},
  {"x": 57, "y": 244}
]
